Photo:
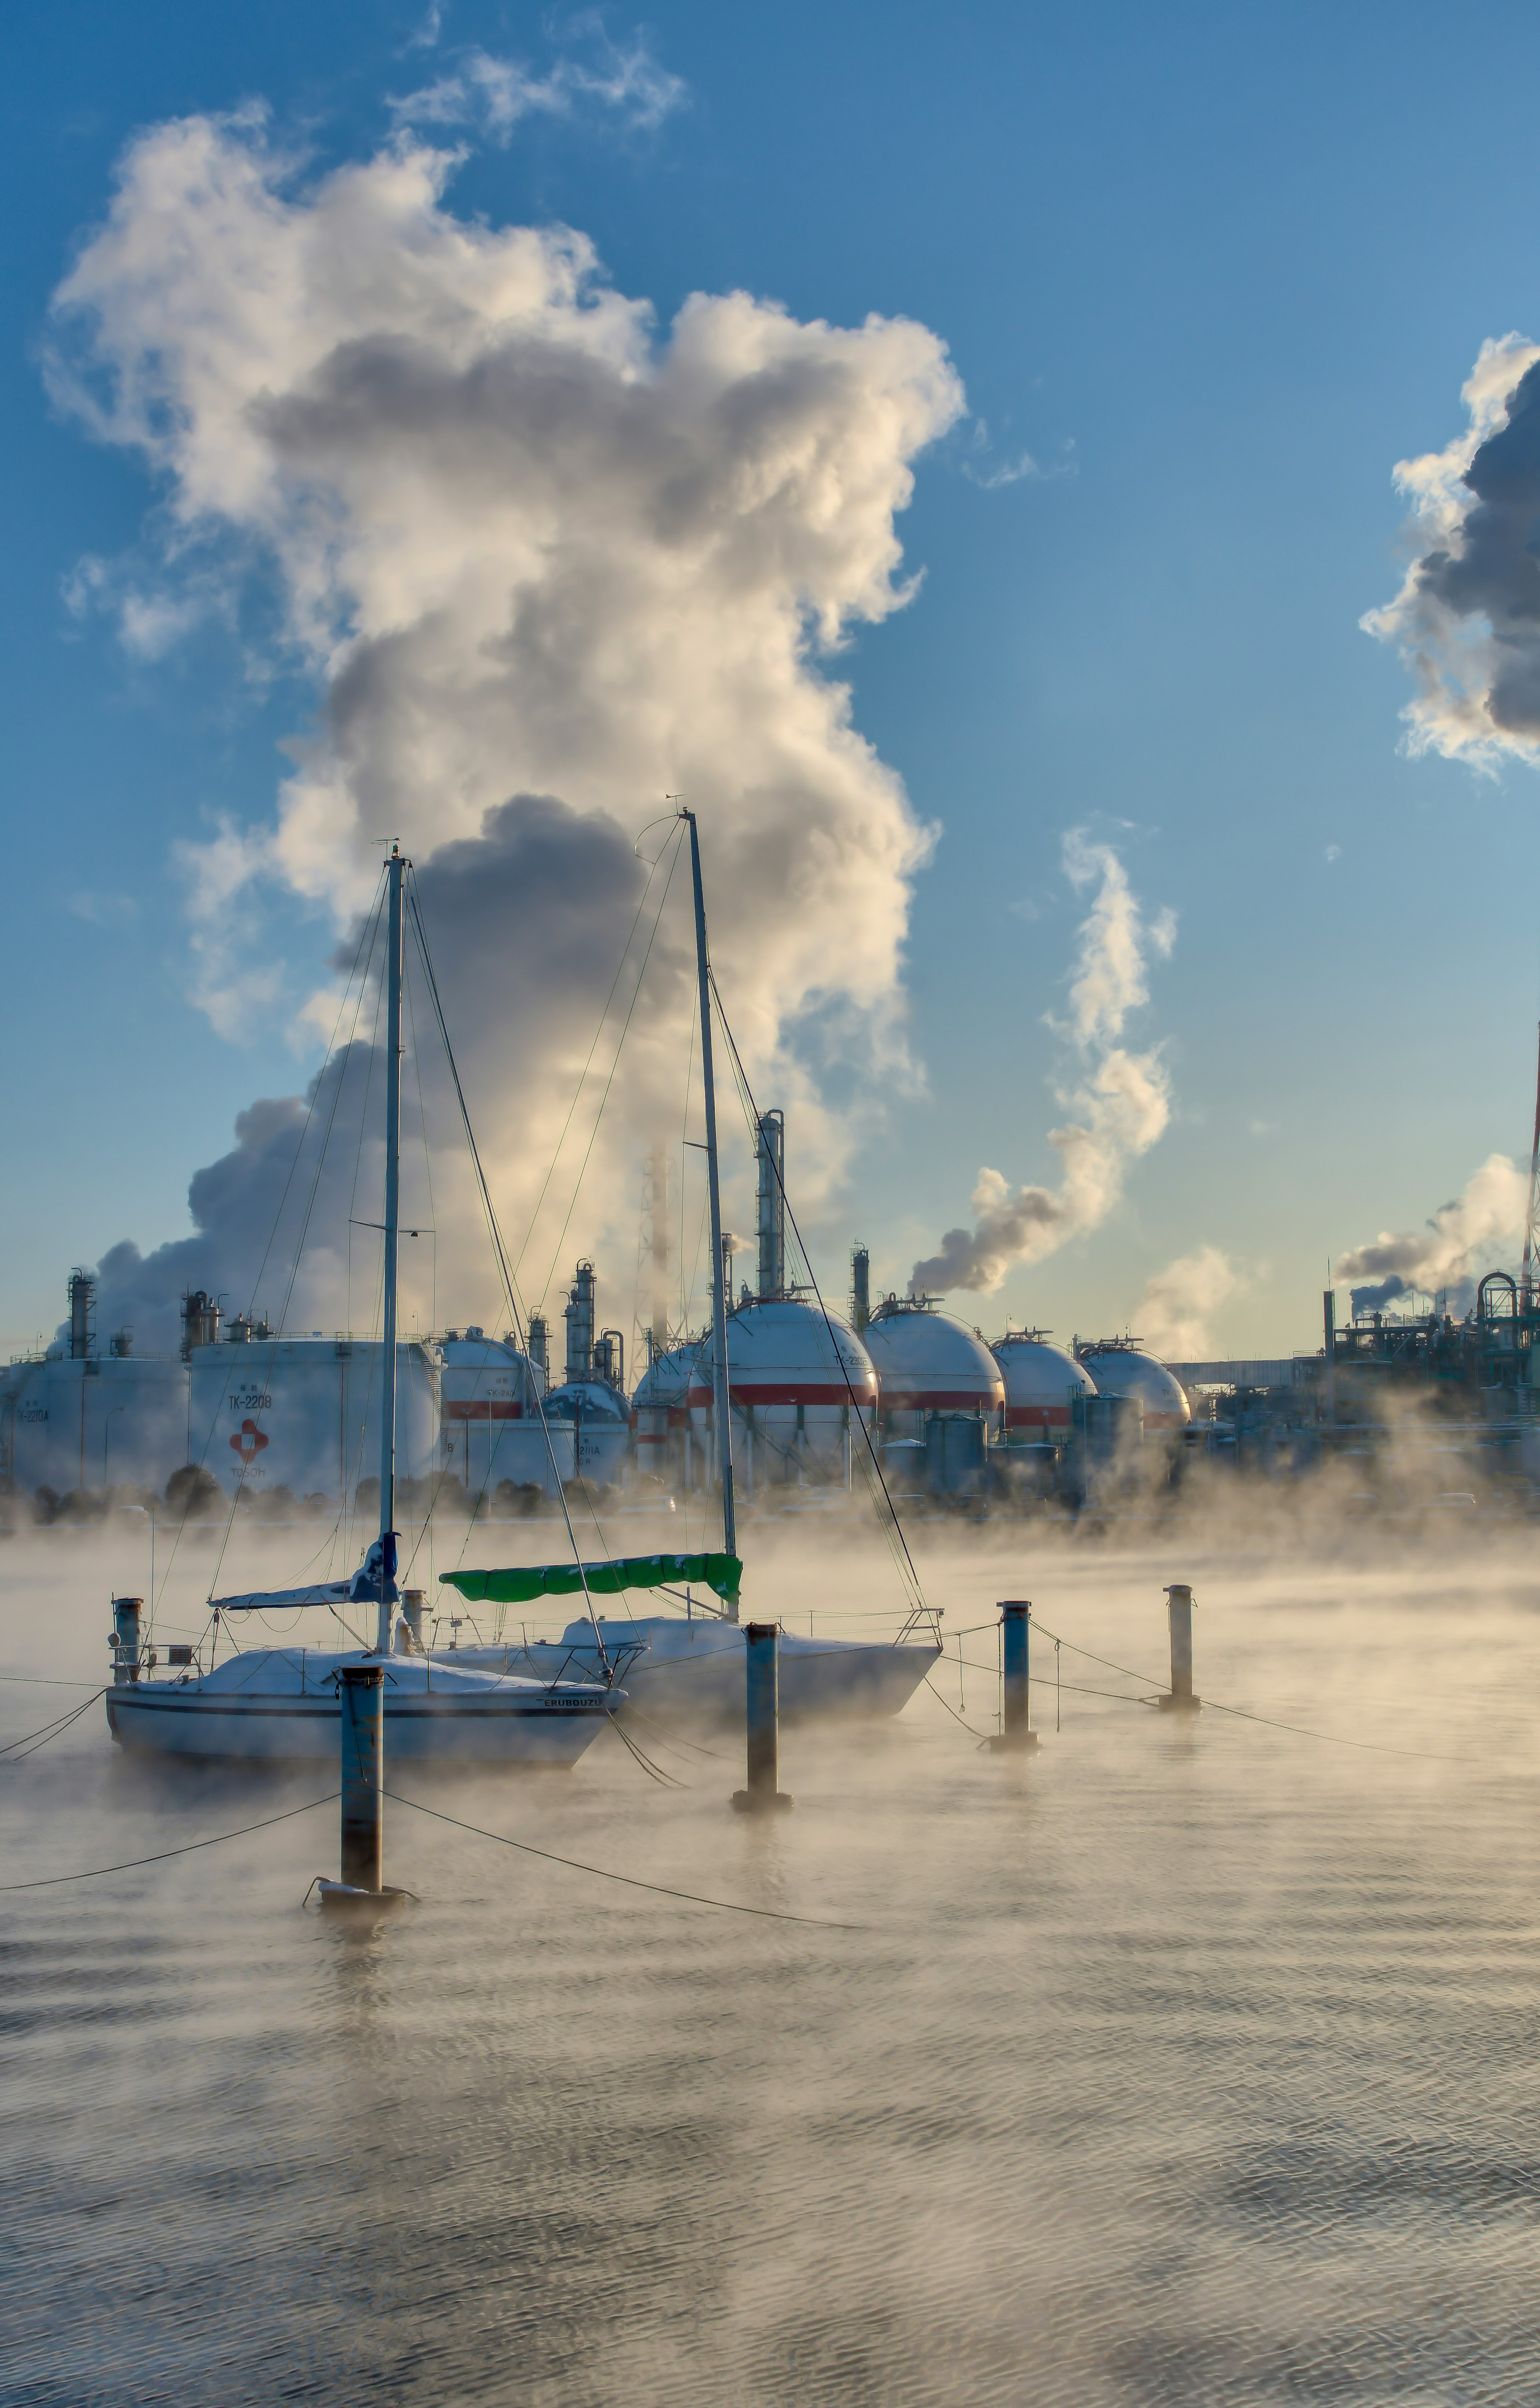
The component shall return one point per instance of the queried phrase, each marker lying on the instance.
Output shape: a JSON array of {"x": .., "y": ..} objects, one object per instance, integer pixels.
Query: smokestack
[
  {"x": 82, "y": 1315},
  {"x": 860, "y": 1289},
  {"x": 540, "y": 1347},
  {"x": 770, "y": 1153},
  {"x": 579, "y": 1317}
]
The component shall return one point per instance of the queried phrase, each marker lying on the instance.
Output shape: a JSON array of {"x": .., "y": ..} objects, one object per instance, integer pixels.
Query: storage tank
[
  {"x": 927, "y": 1362},
  {"x": 489, "y": 1424},
  {"x": 1120, "y": 1368},
  {"x": 802, "y": 1387},
  {"x": 303, "y": 1414},
  {"x": 1042, "y": 1382},
  {"x": 660, "y": 1412},
  {"x": 93, "y": 1421}
]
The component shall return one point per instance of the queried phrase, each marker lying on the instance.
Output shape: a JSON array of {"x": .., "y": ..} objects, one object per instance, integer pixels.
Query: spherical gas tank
[
  {"x": 660, "y": 1411},
  {"x": 800, "y": 1383},
  {"x": 1121, "y": 1371},
  {"x": 926, "y": 1362},
  {"x": 597, "y": 1421},
  {"x": 1042, "y": 1382}
]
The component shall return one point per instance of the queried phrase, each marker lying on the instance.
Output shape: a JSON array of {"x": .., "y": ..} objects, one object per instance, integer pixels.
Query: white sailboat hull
[
  {"x": 697, "y": 1670},
  {"x": 433, "y": 1714}
]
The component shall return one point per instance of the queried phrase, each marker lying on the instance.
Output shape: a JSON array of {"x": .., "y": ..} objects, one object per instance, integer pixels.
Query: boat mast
[
  {"x": 395, "y": 868},
  {"x": 719, "y": 1295}
]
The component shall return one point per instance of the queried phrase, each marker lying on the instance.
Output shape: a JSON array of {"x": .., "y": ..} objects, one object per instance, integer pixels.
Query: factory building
[
  {"x": 800, "y": 1384},
  {"x": 589, "y": 1408}
]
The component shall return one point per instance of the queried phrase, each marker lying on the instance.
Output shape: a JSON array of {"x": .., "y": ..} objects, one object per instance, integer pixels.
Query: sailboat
[
  {"x": 694, "y": 1662},
  {"x": 271, "y": 1705}
]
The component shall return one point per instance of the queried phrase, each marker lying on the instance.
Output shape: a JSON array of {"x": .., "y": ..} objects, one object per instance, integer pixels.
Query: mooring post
[
  {"x": 409, "y": 1630},
  {"x": 1179, "y": 1605},
  {"x": 361, "y": 1696},
  {"x": 762, "y": 1650},
  {"x": 125, "y": 1639},
  {"x": 1016, "y": 1732}
]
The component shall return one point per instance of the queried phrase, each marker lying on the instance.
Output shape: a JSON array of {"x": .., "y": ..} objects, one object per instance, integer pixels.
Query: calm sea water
[{"x": 1185, "y": 2064}]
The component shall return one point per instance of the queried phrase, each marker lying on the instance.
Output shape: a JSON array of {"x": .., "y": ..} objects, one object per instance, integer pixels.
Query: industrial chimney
[
  {"x": 578, "y": 1314},
  {"x": 770, "y": 1155},
  {"x": 860, "y": 1289},
  {"x": 82, "y": 1315}
]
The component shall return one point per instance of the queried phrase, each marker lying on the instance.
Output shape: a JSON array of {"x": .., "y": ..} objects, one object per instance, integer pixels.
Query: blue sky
[{"x": 1216, "y": 270}]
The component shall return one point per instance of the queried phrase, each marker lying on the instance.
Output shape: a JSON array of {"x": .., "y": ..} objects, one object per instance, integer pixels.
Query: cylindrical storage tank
[
  {"x": 1042, "y": 1383},
  {"x": 660, "y": 1411},
  {"x": 303, "y": 1415},
  {"x": 928, "y": 1363},
  {"x": 803, "y": 1387},
  {"x": 1120, "y": 1369},
  {"x": 110, "y": 1422},
  {"x": 955, "y": 1447},
  {"x": 489, "y": 1429}
]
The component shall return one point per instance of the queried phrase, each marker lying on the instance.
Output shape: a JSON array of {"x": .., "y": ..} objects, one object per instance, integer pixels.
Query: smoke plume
[
  {"x": 1171, "y": 1317},
  {"x": 1467, "y": 617},
  {"x": 1453, "y": 1246},
  {"x": 1121, "y": 1100},
  {"x": 546, "y": 566}
]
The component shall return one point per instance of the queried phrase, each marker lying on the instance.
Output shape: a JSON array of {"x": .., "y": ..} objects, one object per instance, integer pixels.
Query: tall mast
[
  {"x": 395, "y": 868},
  {"x": 719, "y": 1297},
  {"x": 1526, "y": 1285}
]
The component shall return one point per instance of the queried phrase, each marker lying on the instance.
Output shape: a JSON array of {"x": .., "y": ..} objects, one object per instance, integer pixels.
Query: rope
[
  {"x": 31, "y": 1741},
  {"x": 132, "y": 1864},
  {"x": 658, "y": 1889},
  {"x": 952, "y": 1710}
]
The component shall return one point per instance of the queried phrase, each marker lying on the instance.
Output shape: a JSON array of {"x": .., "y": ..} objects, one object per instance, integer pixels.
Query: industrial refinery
[{"x": 283, "y": 1423}]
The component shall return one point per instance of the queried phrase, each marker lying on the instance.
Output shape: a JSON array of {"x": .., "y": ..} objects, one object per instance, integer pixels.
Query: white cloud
[
  {"x": 1450, "y": 1248},
  {"x": 1122, "y": 1099},
  {"x": 491, "y": 95},
  {"x": 530, "y": 549},
  {"x": 1172, "y": 1317},
  {"x": 1467, "y": 617}
]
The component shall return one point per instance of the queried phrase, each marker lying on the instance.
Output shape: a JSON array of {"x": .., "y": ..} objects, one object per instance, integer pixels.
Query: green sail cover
[{"x": 516, "y": 1586}]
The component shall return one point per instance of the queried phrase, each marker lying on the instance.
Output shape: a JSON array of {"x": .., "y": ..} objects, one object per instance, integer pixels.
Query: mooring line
[
  {"x": 132, "y": 1864},
  {"x": 659, "y": 1889},
  {"x": 30, "y": 1741}
]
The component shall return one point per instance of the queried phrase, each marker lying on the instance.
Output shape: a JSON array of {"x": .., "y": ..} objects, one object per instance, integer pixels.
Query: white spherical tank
[
  {"x": 928, "y": 1363},
  {"x": 1042, "y": 1382},
  {"x": 1120, "y": 1369},
  {"x": 802, "y": 1387},
  {"x": 660, "y": 1411}
]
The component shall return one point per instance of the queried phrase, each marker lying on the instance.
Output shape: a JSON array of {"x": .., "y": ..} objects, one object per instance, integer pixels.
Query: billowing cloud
[
  {"x": 1121, "y": 1100},
  {"x": 1172, "y": 1317},
  {"x": 1467, "y": 617},
  {"x": 529, "y": 549},
  {"x": 1448, "y": 1251}
]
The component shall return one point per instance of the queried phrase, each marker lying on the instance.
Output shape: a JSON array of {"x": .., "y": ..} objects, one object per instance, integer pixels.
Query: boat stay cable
[{"x": 907, "y": 1570}]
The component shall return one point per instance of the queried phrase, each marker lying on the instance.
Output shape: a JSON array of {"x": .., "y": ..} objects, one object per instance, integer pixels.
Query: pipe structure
[
  {"x": 1179, "y": 1605},
  {"x": 1016, "y": 1736},
  {"x": 395, "y": 868},
  {"x": 762, "y": 1647},
  {"x": 361, "y": 1696},
  {"x": 719, "y": 1300}
]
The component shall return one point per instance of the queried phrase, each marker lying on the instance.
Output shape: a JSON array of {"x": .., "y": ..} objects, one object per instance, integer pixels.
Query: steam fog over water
[{"x": 1186, "y": 2062}]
